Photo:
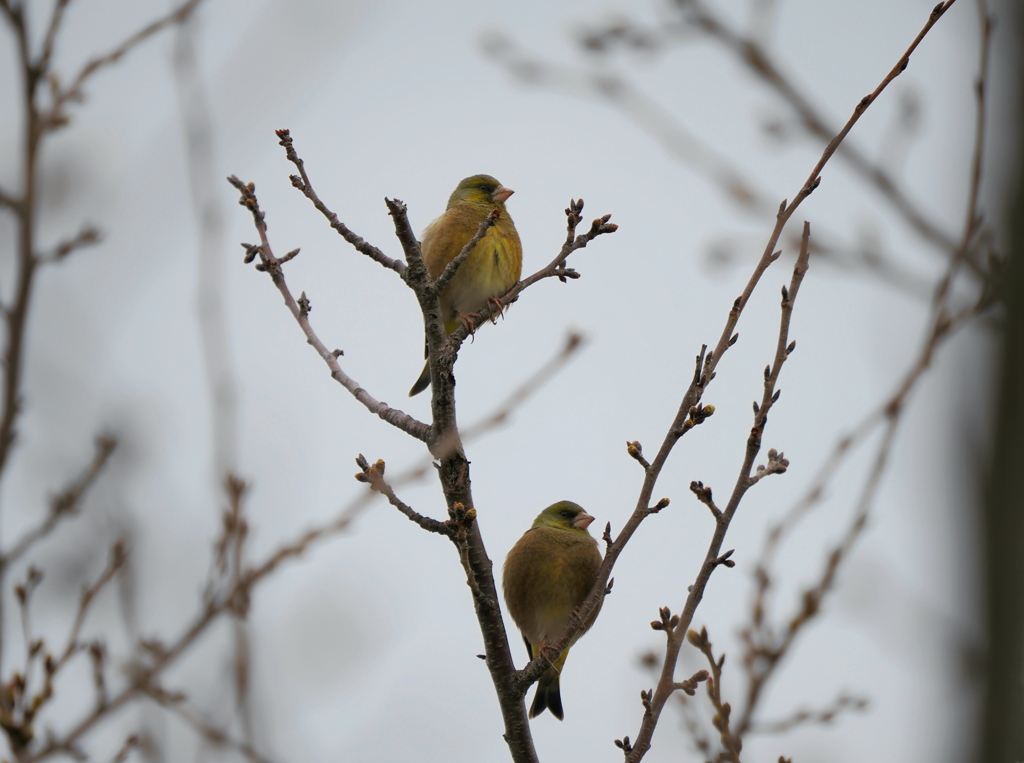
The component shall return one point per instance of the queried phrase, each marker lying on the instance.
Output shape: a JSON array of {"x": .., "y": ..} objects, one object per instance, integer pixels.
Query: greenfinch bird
[
  {"x": 547, "y": 575},
  {"x": 492, "y": 268}
]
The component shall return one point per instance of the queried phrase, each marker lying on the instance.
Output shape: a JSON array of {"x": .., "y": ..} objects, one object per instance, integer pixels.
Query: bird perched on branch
[
  {"x": 492, "y": 268},
  {"x": 547, "y": 575}
]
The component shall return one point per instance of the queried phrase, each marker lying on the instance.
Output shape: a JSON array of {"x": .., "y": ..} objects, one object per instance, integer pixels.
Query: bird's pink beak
[
  {"x": 501, "y": 193},
  {"x": 582, "y": 521}
]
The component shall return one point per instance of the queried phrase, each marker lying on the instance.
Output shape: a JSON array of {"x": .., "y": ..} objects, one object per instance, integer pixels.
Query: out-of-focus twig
[
  {"x": 643, "y": 110},
  {"x": 731, "y": 743},
  {"x": 88, "y": 236},
  {"x": 64, "y": 504},
  {"x": 760, "y": 61},
  {"x": 60, "y": 96},
  {"x": 21, "y": 700},
  {"x": 208, "y": 213},
  {"x": 844, "y": 703},
  {"x": 176, "y": 703}
]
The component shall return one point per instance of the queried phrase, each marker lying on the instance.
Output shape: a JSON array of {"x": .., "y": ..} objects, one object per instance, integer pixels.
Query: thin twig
[
  {"x": 65, "y": 504},
  {"x": 554, "y": 269},
  {"x": 9, "y": 201},
  {"x": 55, "y": 117},
  {"x": 841, "y": 704},
  {"x": 529, "y": 386},
  {"x": 759, "y": 60},
  {"x": 176, "y": 703},
  {"x": 731, "y": 742},
  {"x": 302, "y": 182},
  {"x": 118, "y": 556},
  {"x": 373, "y": 475},
  {"x": 56, "y": 18},
  {"x": 132, "y": 742},
  {"x": 88, "y": 236},
  {"x": 300, "y": 311}
]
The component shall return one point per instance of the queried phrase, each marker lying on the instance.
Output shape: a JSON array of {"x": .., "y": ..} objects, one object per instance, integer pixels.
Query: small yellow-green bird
[
  {"x": 492, "y": 268},
  {"x": 547, "y": 574}
]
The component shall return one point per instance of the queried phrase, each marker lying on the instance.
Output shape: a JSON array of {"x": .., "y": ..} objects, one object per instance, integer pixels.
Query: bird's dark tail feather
[
  {"x": 423, "y": 382},
  {"x": 548, "y": 697}
]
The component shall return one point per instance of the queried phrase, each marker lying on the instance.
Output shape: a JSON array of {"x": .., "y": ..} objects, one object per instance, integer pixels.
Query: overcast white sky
[{"x": 365, "y": 649}]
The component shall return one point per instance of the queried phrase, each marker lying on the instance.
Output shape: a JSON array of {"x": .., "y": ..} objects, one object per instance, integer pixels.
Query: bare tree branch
[
  {"x": 176, "y": 703},
  {"x": 760, "y": 62},
  {"x": 842, "y": 704},
  {"x": 62, "y": 96},
  {"x": 300, "y": 311},
  {"x": 302, "y": 182},
  {"x": 65, "y": 504},
  {"x": 693, "y": 396}
]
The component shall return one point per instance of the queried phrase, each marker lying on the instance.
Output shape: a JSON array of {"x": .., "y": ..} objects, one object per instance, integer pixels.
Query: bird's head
[
  {"x": 565, "y": 515},
  {"x": 480, "y": 189}
]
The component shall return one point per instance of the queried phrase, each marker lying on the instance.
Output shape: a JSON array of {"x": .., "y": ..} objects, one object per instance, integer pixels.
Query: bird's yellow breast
[{"x": 492, "y": 268}]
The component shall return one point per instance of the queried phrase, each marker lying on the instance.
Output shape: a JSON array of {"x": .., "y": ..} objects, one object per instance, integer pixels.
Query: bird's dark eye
[
  {"x": 484, "y": 187},
  {"x": 566, "y": 513}
]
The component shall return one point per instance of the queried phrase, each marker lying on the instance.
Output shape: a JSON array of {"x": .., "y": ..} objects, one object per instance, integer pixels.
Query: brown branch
[
  {"x": 56, "y": 18},
  {"x": 445, "y": 444},
  {"x": 759, "y": 60},
  {"x": 88, "y": 236},
  {"x": 442, "y": 438},
  {"x": 175, "y": 702},
  {"x": 644, "y": 111},
  {"x": 662, "y": 125},
  {"x": 373, "y": 475},
  {"x": 208, "y": 213},
  {"x": 704, "y": 496},
  {"x": 703, "y": 374},
  {"x": 116, "y": 562},
  {"x": 300, "y": 311},
  {"x": 664, "y": 689},
  {"x": 764, "y": 650},
  {"x": 732, "y": 742},
  {"x": 302, "y": 182},
  {"x": 154, "y": 657},
  {"x": 346, "y": 516},
  {"x": 21, "y": 700},
  {"x": 842, "y": 703},
  {"x": 65, "y": 504},
  {"x": 9, "y": 201},
  {"x": 696, "y": 15},
  {"x": 132, "y": 742},
  {"x": 973, "y": 217},
  {"x": 55, "y": 116}
]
